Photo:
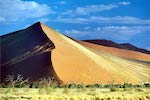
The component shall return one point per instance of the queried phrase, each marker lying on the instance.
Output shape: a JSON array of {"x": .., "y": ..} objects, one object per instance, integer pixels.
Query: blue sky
[{"x": 122, "y": 21}]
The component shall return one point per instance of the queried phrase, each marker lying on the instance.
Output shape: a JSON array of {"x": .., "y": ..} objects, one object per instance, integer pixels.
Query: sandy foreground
[{"x": 74, "y": 94}]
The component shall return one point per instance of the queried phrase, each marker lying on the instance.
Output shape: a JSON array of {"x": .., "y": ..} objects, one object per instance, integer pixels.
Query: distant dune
[
  {"x": 109, "y": 43},
  {"x": 40, "y": 51}
]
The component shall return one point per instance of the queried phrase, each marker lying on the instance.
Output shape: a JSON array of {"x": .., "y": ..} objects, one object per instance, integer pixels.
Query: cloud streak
[
  {"x": 94, "y": 8},
  {"x": 113, "y": 32},
  {"x": 62, "y": 2},
  {"x": 124, "y": 3},
  {"x": 2, "y": 19},
  {"x": 106, "y": 20},
  {"x": 16, "y": 10}
]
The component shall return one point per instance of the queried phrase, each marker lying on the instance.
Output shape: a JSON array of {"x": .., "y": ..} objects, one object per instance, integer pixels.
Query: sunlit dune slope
[
  {"x": 80, "y": 62},
  {"x": 129, "y": 54}
]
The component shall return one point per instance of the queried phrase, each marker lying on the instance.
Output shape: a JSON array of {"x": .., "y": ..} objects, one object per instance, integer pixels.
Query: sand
[{"x": 81, "y": 62}]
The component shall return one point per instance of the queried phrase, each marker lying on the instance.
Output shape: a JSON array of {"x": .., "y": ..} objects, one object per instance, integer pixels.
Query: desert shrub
[
  {"x": 48, "y": 82},
  {"x": 81, "y": 86},
  {"x": 64, "y": 86},
  {"x": 108, "y": 85},
  {"x": 45, "y": 82},
  {"x": 16, "y": 81},
  {"x": 147, "y": 85},
  {"x": 137, "y": 86},
  {"x": 70, "y": 86},
  {"x": 35, "y": 85},
  {"x": 127, "y": 85},
  {"x": 73, "y": 86},
  {"x": 113, "y": 89},
  {"x": 95, "y": 86},
  {"x": 118, "y": 86}
]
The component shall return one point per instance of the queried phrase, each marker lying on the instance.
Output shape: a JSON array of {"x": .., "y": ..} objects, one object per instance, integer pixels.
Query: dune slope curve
[{"x": 78, "y": 63}]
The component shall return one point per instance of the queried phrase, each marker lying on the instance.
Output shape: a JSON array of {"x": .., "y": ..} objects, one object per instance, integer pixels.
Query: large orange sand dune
[
  {"x": 70, "y": 60},
  {"x": 76, "y": 61}
]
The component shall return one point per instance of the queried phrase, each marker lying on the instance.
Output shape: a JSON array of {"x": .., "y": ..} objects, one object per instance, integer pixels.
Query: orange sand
[{"x": 81, "y": 62}]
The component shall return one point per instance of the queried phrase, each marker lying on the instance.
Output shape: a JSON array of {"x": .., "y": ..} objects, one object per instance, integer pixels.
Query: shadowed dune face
[
  {"x": 40, "y": 51},
  {"x": 27, "y": 52}
]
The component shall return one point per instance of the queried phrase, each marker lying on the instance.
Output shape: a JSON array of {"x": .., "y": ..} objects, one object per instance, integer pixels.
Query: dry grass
[{"x": 74, "y": 94}]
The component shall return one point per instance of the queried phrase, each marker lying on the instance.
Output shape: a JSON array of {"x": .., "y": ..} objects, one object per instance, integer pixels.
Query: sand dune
[
  {"x": 74, "y": 61},
  {"x": 129, "y": 54}
]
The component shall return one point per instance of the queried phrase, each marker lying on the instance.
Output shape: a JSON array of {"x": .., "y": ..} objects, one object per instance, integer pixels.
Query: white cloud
[
  {"x": 87, "y": 28},
  {"x": 98, "y": 28},
  {"x": 56, "y": 3},
  {"x": 71, "y": 20},
  {"x": 113, "y": 32},
  {"x": 124, "y": 3},
  {"x": 16, "y": 10},
  {"x": 90, "y": 9},
  {"x": 62, "y": 2},
  {"x": 76, "y": 33},
  {"x": 119, "y": 19},
  {"x": 94, "y": 8},
  {"x": 2, "y": 19},
  {"x": 124, "y": 30},
  {"x": 105, "y": 20}
]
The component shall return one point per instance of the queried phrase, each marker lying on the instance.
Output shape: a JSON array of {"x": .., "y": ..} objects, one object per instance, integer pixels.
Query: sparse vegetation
[
  {"x": 15, "y": 81},
  {"x": 15, "y": 87},
  {"x": 18, "y": 81}
]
